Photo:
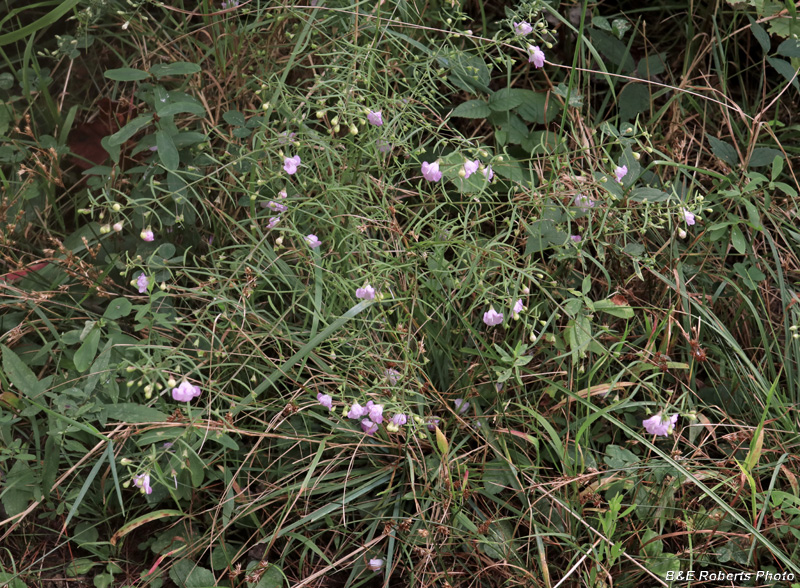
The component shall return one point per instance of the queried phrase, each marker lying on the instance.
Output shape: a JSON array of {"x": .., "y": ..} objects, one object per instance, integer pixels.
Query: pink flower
[
  {"x": 369, "y": 427},
  {"x": 432, "y": 423},
  {"x": 147, "y": 235},
  {"x": 290, "y": 164},
  {"x": 522, "y": 28},
  {"x": 312, "y": 241},
  {"x": 375, "y": 118},
  {"x": 620, "y": 173},
  {"x": 491, "y": 317},
  {"x": 383, "y": 145},
  {"x": 660, "y": 425},
  {"x": 688, "y": 217},
  {"x": 462, "y": 405},
  {"x": 325, "y": 400},
  {"x": 356, "y": 411},
  {"x": 375, "y": 413},
  {"x": 471, "y": 167},
  {"x": 518, "y": 308},
  {"x": 576, "y": 238},
  {"x": 583, "y": 202},
  {"x": 185, "y": 392},
  {"x": 393, "y": 376},
  {"x": 143, "y": 481},
  {"x": 399, "y": 420},
  {"x": 366, "y": 293},
  {"x": 142, "y": 282},
  {"x": 488, "y": 173},
  {"x": 430, "y": 171},
  {"x": 273, "y": 221},
  {"x": 277, "y": 206},
  {"x": 535, "y": 56},
  {"x": 375, "y": 564}
]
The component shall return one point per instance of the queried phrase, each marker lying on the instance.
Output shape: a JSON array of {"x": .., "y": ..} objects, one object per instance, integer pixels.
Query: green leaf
[
  {"x": 777, "y": 166},
  {"x": 601, "y": 22},
  {"x": 126, "y": 74},
  {"x": 272, "y": 578},
  {"x": 738, "y": 240},
  {"x": 789, "y": 48},
  {"x": 652, "y": 65},
  {"x": 615, "y": 50},
  {"x": 118, "y": 308},
  {"x": 167, "y": 152},
  {"x": 179, "y": 68},
  {"x": 472, "y": 109},
  {"x": 723, "y": 151},
  {"x": 538, "y": 107},
  {"x": 506, "y": 99},
  {"x": 760, "y": 34},
  {"x": 234, "y": 117},
  {"x": 6, "y": 81},
  {"x": 607, "y": 306},
  {"x": 129, "y": 130},
  {"x": 619, "y": 458},
  {"x": 20, "y": 374},
  {"x": 187, "y": 574},
  {"x": 181, "y": 107},
  {"x": 763, "y": 156},
  {"x": 648, "y": 195},
  {"x": 85, "y": 354},
  {"x": 633, "y": 100},
  {"x": 129, "y": 412},
  {"x": 786, "y": 69}
]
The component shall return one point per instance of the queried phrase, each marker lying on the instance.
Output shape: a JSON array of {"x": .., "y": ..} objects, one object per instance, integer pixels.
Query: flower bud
[
  {"x": 116, "y": 207},
  {"x": 117, "y": 226}
]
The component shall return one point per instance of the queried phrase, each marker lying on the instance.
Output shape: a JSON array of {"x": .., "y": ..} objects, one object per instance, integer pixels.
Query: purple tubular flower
[
  {"x": 392, "y": 376},
  {"x": 430, "y": 171},
  {"x": 376, "y": 413},
  {"x": 325, "y": 400},
  {"x": 313, "y": 241},
  {"x": 492, "y": 317},
  {"x": 471, "y": 167},
  {"x": 277, "y": 206},
  {"x": 583, "y": 202},
  {"x": 369, "y": 427},
  {"x": 535, "y": 56},
  {"x": 290, "y": 164},
  {"x": 399, "y": 420},
  {"x": 688, "y": 216},
  {"x": 375, "y": 118},
  {"x": 432, "y": 423},
  {"x": 185, "y": 392},
  {"x": 660, "y": 425},
  {"x": 147, "y": 235},
  {"x": 366, "y": 293},
  {"x": 522, "y": 28},
  {"x": 462, "y": 405},
  {"x": 142, "y": 481},
  {"x": 356, "y": 411},
  {"x": 620, "y": 173},
  {"x": 576, "y": 238},
  {"x": 142, "y": 282},
  {"x": 488, "y": 173},
  {"x": 273, "y": 221}
]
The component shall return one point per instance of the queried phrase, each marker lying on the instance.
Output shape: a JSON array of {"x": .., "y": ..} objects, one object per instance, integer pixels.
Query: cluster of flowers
[{"x": 491, "y": 317}]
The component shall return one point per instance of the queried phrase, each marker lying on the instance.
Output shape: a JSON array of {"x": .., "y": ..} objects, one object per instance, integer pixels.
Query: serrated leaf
[
  {"x": 763, "y": 156},
  {"x": 789, "y": 48},
  {"x": 505, "y": 99},
  {"x": 179, "y": 68},
  {"x": 723, "y": 151},
  {"x": 633, "y": 100},
  {"x": 472, "y": 109},
  {"x": 126, "y": 74}
]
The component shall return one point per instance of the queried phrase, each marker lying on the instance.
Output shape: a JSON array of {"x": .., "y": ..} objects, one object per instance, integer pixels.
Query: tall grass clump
[{"x": 394, "y": 294}]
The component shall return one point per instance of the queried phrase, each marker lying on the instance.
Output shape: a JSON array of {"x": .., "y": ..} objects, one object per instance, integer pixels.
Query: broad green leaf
[
  {"x": 738, "y": 240},
  {"x": 129, "y": 130},
  {"x": 472, "y": 109},
  {"x": 126, "y": 74},
  {"x": 234, "y": 117},
  {"x": 633, "y": 100},
  {"x": 179, "y": 68},
  {"x": 763, "y": 156},
  {"x": 181, "y": 107},
  {"x": 506, "y": 99},
  {"x": 130, "y": 412},
  {"x": 648, "y": 195},
  {"x": 760, "y": 34},
  {"x": 496, "y": 476},
  {"x": 167, "y": 152},
  {"x": 609, "y": 307},
  {"x": 118, "y": 308},
  {"x": 786, "y": 69},
  {"x": 613, "y": 49},
  {"x": 85, "y": 354},
  {"x": 789, "y": 48},
  {"x": 272, "y": 578},
  {"x": 652, "y": 65},
  {"x": 20, "y": 374},
  {"x": 538, "y": 107},
  {"x": 723, "y": 151}
]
